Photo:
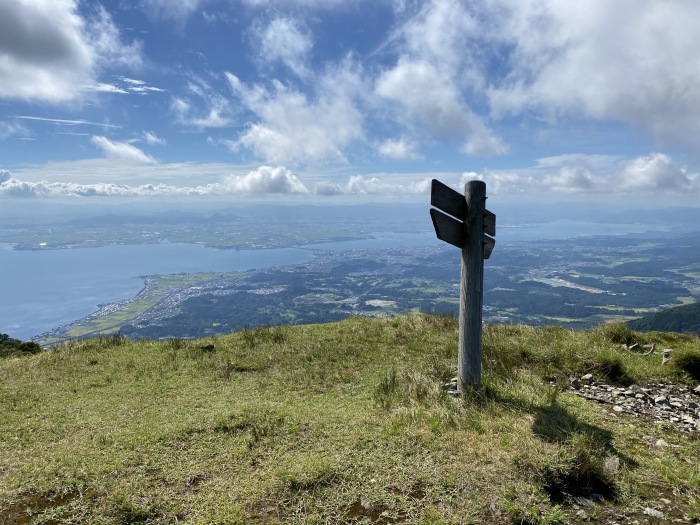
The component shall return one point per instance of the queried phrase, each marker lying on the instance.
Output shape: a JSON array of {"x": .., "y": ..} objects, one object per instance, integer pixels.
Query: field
[{"x": 346, "y": 422}]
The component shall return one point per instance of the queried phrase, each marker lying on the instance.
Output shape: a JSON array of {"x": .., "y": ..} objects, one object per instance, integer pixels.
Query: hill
[
  {"x": 680, "y": 319},
  {"x": 346, "y": 422}
]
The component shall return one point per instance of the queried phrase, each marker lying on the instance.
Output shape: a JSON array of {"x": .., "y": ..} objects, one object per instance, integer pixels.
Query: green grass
[{"x": 338, "y": 423}]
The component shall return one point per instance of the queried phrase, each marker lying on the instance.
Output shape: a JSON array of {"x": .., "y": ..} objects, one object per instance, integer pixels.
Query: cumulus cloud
[
  {"x": 265, "y": 179},
  {"x": 656, "y": 172},
  {"x": 122, "y": 150},
  {"x": 284, "y": 41},
  {"x": 360, "y": 185},
  {"x": 398, "y": 149},
  {"x": 593, "y": 174},
  {"x": 262, "y": 181},
  {"x": 292, "y": 128},
  {"x": 51, "y": 52},
  {"x": 433, "y": 75},
  {"x": 633, "y": 61}
]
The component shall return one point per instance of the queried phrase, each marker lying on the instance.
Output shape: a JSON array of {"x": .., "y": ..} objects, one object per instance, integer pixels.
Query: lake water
[{"x": 41, "y": 290}]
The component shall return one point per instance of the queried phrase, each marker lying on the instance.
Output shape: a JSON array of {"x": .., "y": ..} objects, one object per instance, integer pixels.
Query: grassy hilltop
[{"x": 341, "y": 423}]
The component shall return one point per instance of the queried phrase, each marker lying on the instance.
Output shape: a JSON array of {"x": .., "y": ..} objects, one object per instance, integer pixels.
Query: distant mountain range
[{"x": 684, "y": 318}]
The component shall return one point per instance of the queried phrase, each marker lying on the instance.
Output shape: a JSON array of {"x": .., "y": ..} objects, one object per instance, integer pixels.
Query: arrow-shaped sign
[
  {"x": 488, "y": 244},
  {"x": 452, "y": 229},
  {"x": 448, "y": 229},
  {"x": 448, "y": 200},
  {"x": 489, "y": 223}
]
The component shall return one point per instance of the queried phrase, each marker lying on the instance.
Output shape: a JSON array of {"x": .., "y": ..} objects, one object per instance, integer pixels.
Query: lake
[{"x": 43, "y": 289}]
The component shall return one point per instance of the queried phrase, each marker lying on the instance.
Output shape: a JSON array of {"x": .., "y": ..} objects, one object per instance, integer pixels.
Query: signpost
[{"x": 468, "y": 225}]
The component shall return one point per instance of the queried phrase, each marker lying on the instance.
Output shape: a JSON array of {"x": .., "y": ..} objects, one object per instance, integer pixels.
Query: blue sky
[{"x": 349, "y": 100}]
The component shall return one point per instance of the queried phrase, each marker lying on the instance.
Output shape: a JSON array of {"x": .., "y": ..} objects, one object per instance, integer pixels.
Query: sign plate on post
[
  {"x": 450, "y": 230},
  {"x": 448, "y": 200},
  {"x": 489, "y": 224}
]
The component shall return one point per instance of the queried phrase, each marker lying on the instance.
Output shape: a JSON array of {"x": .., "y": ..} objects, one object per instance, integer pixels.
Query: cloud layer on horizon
[{"x": 651, "y": 174}]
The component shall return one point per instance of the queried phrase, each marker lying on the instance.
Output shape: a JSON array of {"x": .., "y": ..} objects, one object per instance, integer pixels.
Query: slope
[
  {"x": 338, "y": 423},
  {"x": 685, "y": 318}
]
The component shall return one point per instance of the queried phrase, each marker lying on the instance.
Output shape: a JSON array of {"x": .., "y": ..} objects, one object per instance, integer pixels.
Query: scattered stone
[
  {"x": 696, "y": 390},
  {"x": 588, "y": 378},
  {"x": 581, "y": 514},
  {"x": 674, "y": 405}
]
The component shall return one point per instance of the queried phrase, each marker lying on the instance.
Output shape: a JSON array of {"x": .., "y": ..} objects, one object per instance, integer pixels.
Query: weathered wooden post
[{"x": 469, "y": 234}]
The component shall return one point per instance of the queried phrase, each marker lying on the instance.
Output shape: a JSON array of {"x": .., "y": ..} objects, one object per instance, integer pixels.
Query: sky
[{"x": 323, "y": 101}]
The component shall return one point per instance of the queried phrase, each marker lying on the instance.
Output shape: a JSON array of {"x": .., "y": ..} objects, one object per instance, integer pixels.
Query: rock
[
  {"x": 611, "y": 465},
  {"x": 696, "y": 390},
  {"x": 661, "y": 443},
  {"x": 581, "y": 514},
  {"x": 660, "y": 400},
  {"x": 618, "y": 408},
  {"x": 653, "y": 513},
  {"x": 588, "y": 378}
]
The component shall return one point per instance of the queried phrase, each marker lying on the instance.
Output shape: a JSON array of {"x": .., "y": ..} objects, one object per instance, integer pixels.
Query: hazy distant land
[{"x": 574, "y": 283}]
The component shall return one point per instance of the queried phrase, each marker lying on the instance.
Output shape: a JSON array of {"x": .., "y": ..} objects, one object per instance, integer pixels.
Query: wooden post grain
[{"x": 471, "y": 287}]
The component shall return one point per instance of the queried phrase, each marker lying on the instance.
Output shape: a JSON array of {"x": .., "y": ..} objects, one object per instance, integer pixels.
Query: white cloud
[
  {"x": 264, "y": 180},
  {"x": 430, "y": 98},
  {"x": 110, "y": 88},
  {"x": 211, "y": 110},
  {"x": 292, "y": 128},
  {"x": 309, "y": 4},
  {"x": 360, "y": 185},
  {"x": 51, "y": 52},
  {"x": 657, "y": 172},
  {"x": 399, "y": 149},
  {"x": 437, "y": 78},
  {"x": 12, "y": 129},
  {"x": 633, "y": 61},
  {"x": 284, "y": 41},
  {"x": 595, "y": 174},
  {"x": 175, "y": 10},
  {"x": 152, "y": 138},
  {"x": 67, "y": 122},
  {"x": 131, "y": 86},
  {"x": 122, "y": 150}
]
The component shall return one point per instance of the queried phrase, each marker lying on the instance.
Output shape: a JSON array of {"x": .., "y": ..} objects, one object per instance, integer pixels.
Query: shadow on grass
[{"x": 587, "y": 460}]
